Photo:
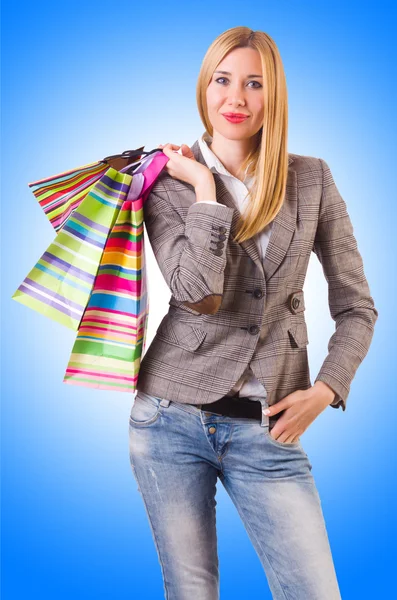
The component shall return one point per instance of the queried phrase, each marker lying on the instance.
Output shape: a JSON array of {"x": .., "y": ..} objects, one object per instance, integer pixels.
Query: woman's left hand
[{"x": 301, "y": 408}]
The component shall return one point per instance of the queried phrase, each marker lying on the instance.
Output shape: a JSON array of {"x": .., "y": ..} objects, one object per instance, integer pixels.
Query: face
[{"x": 236, "y": 86}]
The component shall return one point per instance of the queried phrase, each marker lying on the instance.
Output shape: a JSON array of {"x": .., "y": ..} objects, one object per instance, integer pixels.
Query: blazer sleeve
[
  {"x": 191, "y": 262},
  {"x": 350, "y": 303}
]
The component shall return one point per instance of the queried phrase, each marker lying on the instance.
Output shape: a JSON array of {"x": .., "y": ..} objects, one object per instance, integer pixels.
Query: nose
[
  {"x": 235, "y": 100},
  {"x": 235, "y": 95}
]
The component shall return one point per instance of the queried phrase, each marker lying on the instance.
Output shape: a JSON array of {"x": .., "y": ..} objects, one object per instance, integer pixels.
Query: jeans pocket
[
  {"x": 282, "y": 444},
  {"x": 145, "y": 409}
]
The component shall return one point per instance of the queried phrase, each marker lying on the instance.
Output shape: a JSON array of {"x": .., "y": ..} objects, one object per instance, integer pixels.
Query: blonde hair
[{"x": 268, "y": 161}]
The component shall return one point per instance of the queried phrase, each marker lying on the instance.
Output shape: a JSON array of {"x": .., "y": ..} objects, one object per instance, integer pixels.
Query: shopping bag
[
  {"x": 112, "y": 334},
  {"x": 60, "y": 283},
  {"x": 61, "y": 194}
]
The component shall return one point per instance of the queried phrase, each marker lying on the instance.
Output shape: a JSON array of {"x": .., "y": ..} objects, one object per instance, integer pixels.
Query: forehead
[{"x": 246, "y": 61}]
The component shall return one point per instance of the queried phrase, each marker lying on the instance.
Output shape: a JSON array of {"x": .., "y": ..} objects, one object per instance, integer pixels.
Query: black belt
[{"x": 232, "y": 406}]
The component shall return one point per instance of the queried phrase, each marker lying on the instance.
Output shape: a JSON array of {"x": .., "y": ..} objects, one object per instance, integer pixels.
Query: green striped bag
[
  {"x": 60, "y": 283},
  {"x": 112, "y": 334}
]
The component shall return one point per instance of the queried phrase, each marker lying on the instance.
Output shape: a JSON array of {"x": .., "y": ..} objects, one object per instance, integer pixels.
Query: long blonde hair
[{"x": 268, "y": 161}]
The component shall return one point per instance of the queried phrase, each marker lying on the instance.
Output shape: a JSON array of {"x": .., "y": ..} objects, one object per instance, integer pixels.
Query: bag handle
[
  {"x": 116, "y": 160},
  {"x": 150, "y": 171}
]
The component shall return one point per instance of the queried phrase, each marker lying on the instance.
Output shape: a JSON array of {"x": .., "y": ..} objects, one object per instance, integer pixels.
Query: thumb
[{"x": 186, "y": 151}]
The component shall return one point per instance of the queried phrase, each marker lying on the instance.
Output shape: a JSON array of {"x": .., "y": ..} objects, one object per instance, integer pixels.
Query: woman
[{"x": 224, "y": 389}]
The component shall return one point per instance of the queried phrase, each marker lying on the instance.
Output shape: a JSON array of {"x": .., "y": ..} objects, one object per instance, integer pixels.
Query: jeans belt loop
[{"x": 264, "y": 418}]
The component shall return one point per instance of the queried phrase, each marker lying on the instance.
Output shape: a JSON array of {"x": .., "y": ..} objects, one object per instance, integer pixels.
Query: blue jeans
[{"x": 177, "y": 452}]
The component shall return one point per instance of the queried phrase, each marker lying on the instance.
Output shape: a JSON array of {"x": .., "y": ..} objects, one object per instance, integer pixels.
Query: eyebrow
[{"x": 227, "y": 73}]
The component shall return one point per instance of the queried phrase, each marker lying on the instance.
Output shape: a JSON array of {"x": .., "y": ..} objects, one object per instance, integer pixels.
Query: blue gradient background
[{"x": 81, "y": 80}]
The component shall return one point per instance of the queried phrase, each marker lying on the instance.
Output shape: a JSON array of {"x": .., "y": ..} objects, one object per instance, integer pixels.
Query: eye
[
  {"x": 259, "y": 85},
  {"x": 253, "y": 81}
]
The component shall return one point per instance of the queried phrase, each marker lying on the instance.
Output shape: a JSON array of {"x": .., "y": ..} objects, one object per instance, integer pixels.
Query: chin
[{"x": 236, "y": 135}]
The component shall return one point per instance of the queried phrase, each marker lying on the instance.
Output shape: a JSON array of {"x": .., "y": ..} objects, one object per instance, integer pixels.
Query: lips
[{"x": 236, "y": 115}]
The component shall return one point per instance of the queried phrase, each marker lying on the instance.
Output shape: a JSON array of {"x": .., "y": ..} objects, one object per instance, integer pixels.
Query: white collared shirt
[{"x": 248, "y": 384}]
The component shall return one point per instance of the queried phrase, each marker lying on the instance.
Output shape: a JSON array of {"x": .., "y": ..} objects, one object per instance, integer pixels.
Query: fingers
[
  {"x": 186, "y": 151},
  {"x": 174, "y": 147},
  {"x": 171, "y": 149},
  {"x": 170, "y": 146}
]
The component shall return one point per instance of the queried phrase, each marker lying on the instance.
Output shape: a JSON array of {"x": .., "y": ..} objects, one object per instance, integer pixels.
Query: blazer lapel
[{"x": 283, "y": 227}]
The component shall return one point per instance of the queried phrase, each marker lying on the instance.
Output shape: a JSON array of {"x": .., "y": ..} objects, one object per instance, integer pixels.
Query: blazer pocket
[
  {"x": 181, "y": 334},
  {"x": 298, "y": 335}
]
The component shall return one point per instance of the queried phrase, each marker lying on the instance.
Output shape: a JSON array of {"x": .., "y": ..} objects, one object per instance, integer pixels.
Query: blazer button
[
  {"x": 295, "y": 300},
  {"x": 254, "y": 329},
  {"x": 222, "y": 229},
  {"x": 218, "y": 252},
  {"x": 222, "y": 236},
  {"x": 220, "y": 244},
  {"x": 258, "y": 293}
]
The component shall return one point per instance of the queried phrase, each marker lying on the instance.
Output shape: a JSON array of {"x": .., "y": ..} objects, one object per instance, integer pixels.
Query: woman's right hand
[{"x": 185, "y": 166}]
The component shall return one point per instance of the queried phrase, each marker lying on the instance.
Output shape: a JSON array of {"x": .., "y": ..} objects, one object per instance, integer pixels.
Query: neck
[{"x": 231, "y": 153}]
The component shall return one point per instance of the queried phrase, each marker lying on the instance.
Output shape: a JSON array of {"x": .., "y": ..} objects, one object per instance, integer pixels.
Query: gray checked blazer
[{"x": 229, "y": 309}]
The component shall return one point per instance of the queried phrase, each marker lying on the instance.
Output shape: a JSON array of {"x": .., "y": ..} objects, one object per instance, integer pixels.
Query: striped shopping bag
[
  {"x": 112, "y": 334},
  {"x": 61, "y": 194},
  {"x": 60, "y": 283}
]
